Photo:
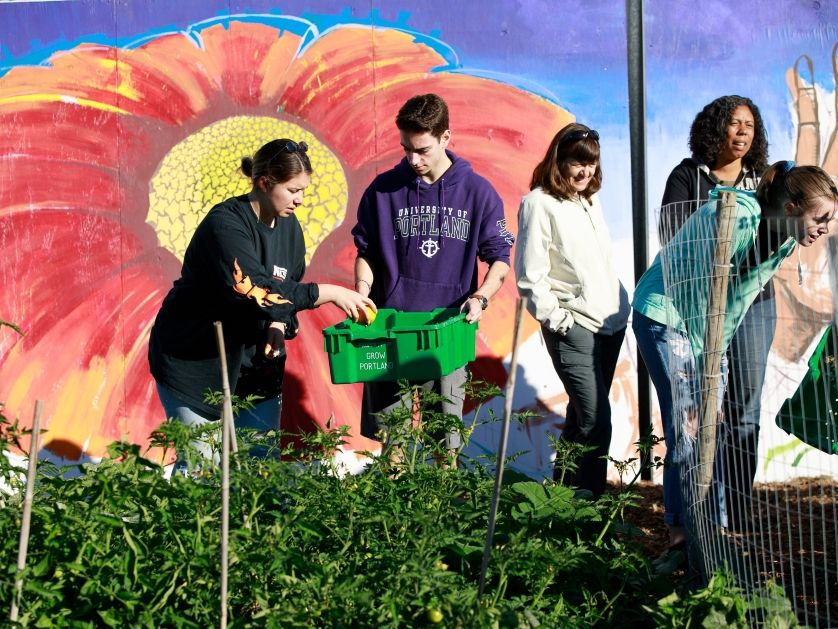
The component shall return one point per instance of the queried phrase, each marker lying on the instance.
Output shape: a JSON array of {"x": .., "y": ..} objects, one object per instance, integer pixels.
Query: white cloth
[{"x": 564, "y": 265}]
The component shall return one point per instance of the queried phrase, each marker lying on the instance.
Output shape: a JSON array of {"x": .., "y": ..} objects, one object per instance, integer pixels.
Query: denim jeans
[
  {"x": 748, "y": 354},
  {"x": 264, "y": 416},
  {"x": 669, "y": 359}
]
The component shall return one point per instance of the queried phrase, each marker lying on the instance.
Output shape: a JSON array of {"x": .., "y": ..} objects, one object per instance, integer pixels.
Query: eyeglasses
[
  {"x": 575, "y": 136},
  {"x": 289, "y": 147}
]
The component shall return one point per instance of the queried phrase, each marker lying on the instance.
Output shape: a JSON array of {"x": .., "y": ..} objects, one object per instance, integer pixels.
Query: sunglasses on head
[
  {"x": 290, "y": 147},
  {"x": 575, "y": 136}
]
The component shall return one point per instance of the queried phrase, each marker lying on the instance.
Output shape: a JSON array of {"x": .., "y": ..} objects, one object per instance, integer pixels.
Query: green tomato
[{"x": 434, "y": 615}]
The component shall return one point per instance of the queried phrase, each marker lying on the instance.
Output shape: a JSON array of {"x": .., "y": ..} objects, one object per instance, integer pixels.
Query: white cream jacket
[{"x": 564, "y": 265}]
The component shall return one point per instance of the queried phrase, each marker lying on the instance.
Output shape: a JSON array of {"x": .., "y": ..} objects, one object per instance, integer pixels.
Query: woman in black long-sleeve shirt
[{"x": 243, "y": 267}]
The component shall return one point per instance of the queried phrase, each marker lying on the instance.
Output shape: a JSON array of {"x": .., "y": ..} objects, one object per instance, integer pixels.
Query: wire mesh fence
[{"x": 753, "y": 377}]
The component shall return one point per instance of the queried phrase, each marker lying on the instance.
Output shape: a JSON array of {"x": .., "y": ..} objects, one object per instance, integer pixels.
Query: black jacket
[{"x": 687, "y": 188}]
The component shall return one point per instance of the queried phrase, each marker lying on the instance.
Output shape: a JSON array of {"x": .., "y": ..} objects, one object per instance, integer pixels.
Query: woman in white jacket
[{"x": 564, "y": 267}]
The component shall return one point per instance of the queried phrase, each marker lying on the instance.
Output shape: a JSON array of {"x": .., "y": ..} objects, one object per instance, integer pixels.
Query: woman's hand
[
  {"x": 351, "y": 302},
  {"x": 275, "y": 340}
]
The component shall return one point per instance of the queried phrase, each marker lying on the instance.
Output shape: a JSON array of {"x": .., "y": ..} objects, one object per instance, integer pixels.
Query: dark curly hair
[{"x": 709, "y": 130}]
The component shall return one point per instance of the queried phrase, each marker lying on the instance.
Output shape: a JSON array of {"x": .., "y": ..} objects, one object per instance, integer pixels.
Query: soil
[{"x": 793, "y": 541}]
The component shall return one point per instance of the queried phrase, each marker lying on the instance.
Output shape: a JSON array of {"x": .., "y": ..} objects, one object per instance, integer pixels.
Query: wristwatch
[{"x": 484, "y": 303}]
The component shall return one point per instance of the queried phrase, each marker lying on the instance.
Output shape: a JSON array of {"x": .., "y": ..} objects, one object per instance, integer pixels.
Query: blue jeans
[
  {"x": 669, "y": 359},
  {"x": 748, "y": 361},
  {"x": 264, "y": 416}
]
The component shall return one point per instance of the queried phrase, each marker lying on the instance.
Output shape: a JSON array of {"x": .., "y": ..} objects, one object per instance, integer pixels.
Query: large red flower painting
[{"x": 110, "y": 156}]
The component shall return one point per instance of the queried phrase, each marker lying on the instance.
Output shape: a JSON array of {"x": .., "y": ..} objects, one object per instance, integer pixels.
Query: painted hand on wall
[{"x": 803, "y": 311}]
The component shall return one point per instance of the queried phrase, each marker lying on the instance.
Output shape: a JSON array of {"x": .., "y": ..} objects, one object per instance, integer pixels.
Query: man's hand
[{"x": 473, "y": 309}]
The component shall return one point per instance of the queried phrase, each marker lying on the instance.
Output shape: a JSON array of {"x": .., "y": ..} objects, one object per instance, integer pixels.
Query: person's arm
[
  {"x": 495, "y": 276},
  {"x": 679, "y": 186},
  {"x": 364, "y": 235},
  {"x": 348, "y": 300},
  {"x": 494, "y": 247},
  {"x": 229, "y": 254},
  {"x": 532, "y": 268},
  {"x": 364, "y": 276}
]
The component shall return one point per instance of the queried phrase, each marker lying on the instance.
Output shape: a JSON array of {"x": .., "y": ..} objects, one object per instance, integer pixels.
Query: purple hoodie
[{"x": 423, "y": 240}]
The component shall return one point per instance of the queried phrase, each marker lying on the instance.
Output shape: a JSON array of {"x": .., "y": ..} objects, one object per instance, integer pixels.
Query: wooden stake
[
  {"x": 713, "y": 343},
  {"x": 504, "y": 436},
  {"x": 227, "y": 436},
  {"x": 26, "y": 520}
]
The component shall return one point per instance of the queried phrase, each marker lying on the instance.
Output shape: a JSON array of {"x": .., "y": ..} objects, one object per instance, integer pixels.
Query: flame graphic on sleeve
[{"x": 246, "y": 287}]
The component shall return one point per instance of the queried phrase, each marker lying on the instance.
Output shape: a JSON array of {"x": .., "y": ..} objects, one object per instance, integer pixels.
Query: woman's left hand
[{"x": 275, "y": 341}]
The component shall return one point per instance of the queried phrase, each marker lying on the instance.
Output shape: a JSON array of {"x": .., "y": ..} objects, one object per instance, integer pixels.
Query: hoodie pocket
[{"x": 418, "y": 295}]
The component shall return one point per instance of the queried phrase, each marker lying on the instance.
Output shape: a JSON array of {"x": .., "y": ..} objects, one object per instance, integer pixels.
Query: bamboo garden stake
[
  {"x": 504, "y": 436},
  {"x": 26, "y": 520},
  {"x": 227, "y": 436}
]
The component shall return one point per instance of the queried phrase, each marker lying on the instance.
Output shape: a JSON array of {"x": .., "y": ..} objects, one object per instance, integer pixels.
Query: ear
[
  {"x": 262, "y": 184},
  {"x": 789, "y": 208},
  {"x": 445, "y": 138}
]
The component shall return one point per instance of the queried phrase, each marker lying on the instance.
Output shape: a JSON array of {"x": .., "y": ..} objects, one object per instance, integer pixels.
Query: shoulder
[
  {"x": 685, "y": 171},
  {"x": 479, "y": 184},
  {"x": 289, "y": 225},
  {"x": 232, "y": 210},
  {"x": 390, "y": 181},
  {"x": 537, "y": 197},
  {"x": 537, "y": 203}
]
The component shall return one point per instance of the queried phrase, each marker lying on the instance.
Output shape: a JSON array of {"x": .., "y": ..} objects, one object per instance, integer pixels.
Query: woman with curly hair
[{"x": 729, "y": 148}]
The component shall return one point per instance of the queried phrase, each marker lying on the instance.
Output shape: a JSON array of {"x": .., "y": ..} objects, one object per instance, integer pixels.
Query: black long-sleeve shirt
[{"x": 241, "y": 272}]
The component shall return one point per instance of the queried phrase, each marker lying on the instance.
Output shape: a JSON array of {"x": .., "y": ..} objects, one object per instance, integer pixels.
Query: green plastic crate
[
  {"x": 811, "y": 413},
  {"x": 400, "y": 345}
]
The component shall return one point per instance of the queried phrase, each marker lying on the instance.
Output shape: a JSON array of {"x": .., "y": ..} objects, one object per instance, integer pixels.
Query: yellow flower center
[{"x": 205, "y": 168}]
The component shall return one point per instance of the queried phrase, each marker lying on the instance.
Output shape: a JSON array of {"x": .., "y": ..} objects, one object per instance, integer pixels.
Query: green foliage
[
  {"x": 399, "y": 545},
  {"x": 723, "y": 604}
]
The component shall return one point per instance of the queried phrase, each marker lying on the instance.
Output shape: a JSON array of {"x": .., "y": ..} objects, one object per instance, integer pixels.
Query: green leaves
[{"x": 120, "y": 545}]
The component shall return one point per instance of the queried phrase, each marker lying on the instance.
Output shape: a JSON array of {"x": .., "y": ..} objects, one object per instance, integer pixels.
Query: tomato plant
[{"x": 118, "y": 544}]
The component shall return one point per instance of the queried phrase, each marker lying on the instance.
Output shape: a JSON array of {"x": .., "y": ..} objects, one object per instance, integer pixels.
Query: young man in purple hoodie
[{"x": 421, "y": 228}]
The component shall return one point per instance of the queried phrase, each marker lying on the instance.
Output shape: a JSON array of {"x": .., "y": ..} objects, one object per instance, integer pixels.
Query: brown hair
[
  {"x": 784, "y": 181},
  {"x": 278, "y": 161},
  {"x": 427, "y": 113},
  {"x": 573, "y": 143}
]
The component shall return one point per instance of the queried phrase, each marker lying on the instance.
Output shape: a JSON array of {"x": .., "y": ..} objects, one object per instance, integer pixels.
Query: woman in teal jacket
[{"x": 670, "y": 300}]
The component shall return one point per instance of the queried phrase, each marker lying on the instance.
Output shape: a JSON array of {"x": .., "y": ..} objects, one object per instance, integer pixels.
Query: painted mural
[{"x": 122, "y": 122}]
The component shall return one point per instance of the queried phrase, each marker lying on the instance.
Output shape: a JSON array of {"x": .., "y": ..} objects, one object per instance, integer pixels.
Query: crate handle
[{"x": 422, "y": 327}]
